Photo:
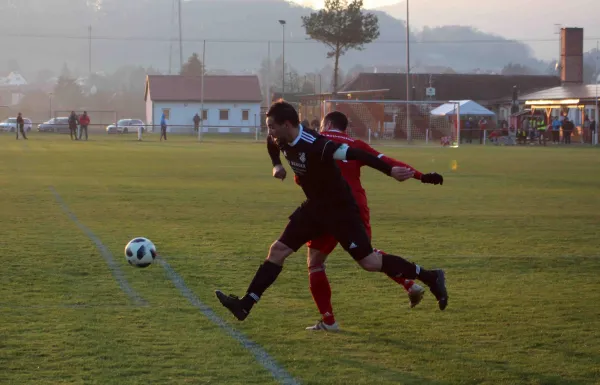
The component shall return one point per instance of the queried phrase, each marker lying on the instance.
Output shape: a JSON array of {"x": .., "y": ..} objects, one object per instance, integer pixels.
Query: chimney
[{"x": 571, "y": 56}]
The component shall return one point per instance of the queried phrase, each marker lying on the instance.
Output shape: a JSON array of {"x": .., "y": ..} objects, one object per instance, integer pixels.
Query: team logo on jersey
[{"x": 302, "y": 157}]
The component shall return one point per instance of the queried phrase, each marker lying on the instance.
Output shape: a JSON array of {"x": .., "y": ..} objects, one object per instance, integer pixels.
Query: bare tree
[{"x": 341, "y": 26}]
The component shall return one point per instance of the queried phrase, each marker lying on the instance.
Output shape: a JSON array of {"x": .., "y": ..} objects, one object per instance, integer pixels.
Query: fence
[{"x": 477, "y": 136}]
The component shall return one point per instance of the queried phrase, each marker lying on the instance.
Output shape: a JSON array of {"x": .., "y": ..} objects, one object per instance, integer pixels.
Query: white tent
[{"x": 467, "y": 107}]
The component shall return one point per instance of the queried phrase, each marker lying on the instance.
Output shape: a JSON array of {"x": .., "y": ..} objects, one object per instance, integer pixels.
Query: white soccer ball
[{"x": 140, "y": 252}]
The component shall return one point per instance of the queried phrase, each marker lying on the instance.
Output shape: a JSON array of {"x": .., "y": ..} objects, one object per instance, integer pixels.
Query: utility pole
[
  {"x": 90, "y": 50},
  {"x": 202, "y": 91},
  {"x": 408, "y": 122},
  {"x": 269, "y": 98},
  {"x": 597, "y": 118},
  {"x": 282, "y": 22},
  {"x": 180, "y": 38}
]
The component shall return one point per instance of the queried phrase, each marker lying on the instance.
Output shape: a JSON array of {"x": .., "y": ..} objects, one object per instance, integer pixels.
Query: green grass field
[{"x": 517, "y": 230}]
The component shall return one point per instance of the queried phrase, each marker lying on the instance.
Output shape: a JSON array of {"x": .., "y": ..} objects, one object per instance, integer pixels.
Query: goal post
[{"x": 432, "y": 123}]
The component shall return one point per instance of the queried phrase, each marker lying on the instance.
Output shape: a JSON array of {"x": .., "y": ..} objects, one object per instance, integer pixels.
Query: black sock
[
  {"x": 395, "y": 266},
  {"x": 265, "y": 276}
]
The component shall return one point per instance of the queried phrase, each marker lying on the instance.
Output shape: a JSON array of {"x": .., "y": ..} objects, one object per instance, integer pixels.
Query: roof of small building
[
  {"x": 575, "y": 91},
  {"x": 217, "y": 88},
  {"x": 451, "y": 86}
]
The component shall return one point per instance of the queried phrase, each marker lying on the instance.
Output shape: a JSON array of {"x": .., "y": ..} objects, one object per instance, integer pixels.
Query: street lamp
[{"x": 282, "y": 22}]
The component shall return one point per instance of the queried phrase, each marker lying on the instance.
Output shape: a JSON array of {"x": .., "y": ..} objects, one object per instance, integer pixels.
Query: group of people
[
  {"x": 327, "y": 167},
  {"x": 537, "y": 128},
  {"x": 78, "y": 125}
]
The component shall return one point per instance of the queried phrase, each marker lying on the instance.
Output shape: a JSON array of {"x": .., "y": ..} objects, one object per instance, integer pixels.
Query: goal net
[{"x": 400, "y": 122}]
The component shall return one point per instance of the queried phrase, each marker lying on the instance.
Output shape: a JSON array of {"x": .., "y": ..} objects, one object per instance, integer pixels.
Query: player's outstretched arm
[
  {"x": 430, "y": 178},
  {"x": 344, "y": 152},
  {"x": 274, "y": 152},
  {"x": 391, "y": 161}
]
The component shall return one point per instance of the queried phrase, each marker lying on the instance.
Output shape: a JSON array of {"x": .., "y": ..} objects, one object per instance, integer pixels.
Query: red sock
[
  {"x": 406, "y": 283},
  {"x": 321, "y": 292}
]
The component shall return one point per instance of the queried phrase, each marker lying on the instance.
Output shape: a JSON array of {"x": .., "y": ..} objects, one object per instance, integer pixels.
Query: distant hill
[
  {"x": 512, "y": 19},
  {"x": 40, "y": 34}
]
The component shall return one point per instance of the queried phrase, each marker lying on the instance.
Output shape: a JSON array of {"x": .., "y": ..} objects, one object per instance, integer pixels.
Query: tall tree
[
  {"x": 516, "y": 69},
  {"x": 341, "y": 26},
  {"x": 193, "y": 66},
  {"x": 13, "y": 65},
  {"x": 67, "y": 93}
]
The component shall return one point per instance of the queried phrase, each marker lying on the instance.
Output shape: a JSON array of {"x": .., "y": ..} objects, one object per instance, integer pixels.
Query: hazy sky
[{"x": 367, "y": 3}]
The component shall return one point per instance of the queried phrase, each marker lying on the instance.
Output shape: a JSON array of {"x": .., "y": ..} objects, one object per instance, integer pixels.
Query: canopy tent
[{"x": 467, "y": 107}]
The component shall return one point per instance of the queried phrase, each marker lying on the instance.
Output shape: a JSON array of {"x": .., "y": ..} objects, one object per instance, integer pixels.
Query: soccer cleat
[
  {"x": 323, "y": 326},
  {"x": 233, "y": 303},
  {"x": 438, "y": 288},
  {"x": 415, "y": 294}
]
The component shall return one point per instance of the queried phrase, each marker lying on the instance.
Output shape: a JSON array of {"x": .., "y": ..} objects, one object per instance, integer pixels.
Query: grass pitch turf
[{"x": 517, "y": 230}]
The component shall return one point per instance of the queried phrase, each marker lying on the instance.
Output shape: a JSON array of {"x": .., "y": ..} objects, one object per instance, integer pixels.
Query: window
[
  {"x": 223, "y": 114},
  {"x": 245, "y": 115},
  {"x": 167, "y": 112},
  {"x": 204, "y": 115}
]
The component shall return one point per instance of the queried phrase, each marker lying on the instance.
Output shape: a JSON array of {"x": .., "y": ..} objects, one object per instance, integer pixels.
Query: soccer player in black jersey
[{"x": 329, "y": 208}]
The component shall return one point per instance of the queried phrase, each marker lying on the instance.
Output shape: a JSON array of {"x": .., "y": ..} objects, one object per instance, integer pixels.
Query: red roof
[{"x": 217, "y": 88}]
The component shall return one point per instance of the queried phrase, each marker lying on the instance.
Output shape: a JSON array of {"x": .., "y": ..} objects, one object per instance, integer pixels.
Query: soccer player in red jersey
[{"x": 334, "y": 128}]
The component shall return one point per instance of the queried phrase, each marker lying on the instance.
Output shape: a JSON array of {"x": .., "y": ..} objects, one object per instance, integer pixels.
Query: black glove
[{"x": 432, "y": 178}]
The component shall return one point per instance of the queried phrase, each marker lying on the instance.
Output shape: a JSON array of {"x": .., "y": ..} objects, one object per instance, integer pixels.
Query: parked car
[
  {"x": 60, "y": 125},
  {"x": 10, "y": 124},
  {"x": 124, "y": 126}
]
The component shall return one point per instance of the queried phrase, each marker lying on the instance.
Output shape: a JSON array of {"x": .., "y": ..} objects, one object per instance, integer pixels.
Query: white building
[
  {"x": 231, "y": 103},
  {"x": 13, "y": 79},
  {"x": 11, "y": 87}
]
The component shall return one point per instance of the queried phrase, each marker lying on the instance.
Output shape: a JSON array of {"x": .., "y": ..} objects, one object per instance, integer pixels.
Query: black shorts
[{"x": 344, "y": 223}]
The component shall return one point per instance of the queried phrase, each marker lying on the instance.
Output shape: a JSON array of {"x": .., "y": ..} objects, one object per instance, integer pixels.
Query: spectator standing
[
  {"x": 196, "y": 123},
  {"x": 585, "y": 129},
  {"x": 568, "y": 128},
  {"x": 163, "y": 127},
  {"x": 20, "y": 126},
  {"x": 556, "y": 130},
  {"x": 84, "y": 122},
  {"x": 73, "y": 120}
]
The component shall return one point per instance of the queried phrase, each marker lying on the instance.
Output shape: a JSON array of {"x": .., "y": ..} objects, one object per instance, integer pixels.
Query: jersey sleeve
[
  {"x": 391, "y": 161},
  {"x": 274, "y": 151},
  {"x": 345, "y": 152},
  {"x": 324, "y": 148}
]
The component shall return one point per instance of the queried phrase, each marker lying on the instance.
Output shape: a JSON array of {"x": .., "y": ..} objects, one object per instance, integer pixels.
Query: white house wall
[{"x": 181, "y": 115}]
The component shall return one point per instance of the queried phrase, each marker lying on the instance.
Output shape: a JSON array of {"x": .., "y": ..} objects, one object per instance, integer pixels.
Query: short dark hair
[
  {"x": 337, "y": 119},
  {"x": 282, "y": 111}
]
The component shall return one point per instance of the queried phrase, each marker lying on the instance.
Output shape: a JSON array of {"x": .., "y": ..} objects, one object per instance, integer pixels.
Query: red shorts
[{"x": 327, "y": 243}]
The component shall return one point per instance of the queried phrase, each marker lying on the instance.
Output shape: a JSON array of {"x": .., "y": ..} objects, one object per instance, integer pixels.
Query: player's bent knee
[
  {"x": 372, "y": 262},
  {"x": 315, "y": 258},
  {"x": 278, "y": 252}
]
